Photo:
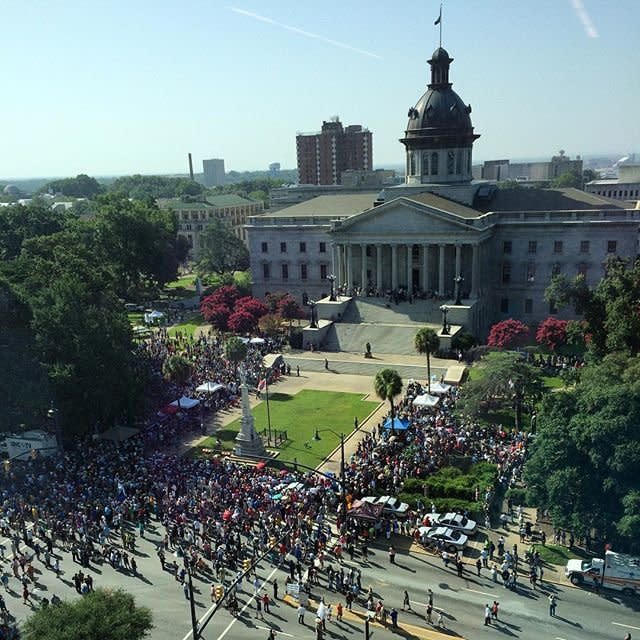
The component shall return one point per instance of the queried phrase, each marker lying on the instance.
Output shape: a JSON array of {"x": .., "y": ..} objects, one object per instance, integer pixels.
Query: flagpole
[{"x": 440, "y": 24}]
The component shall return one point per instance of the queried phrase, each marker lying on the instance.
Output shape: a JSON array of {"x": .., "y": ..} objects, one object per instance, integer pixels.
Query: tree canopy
[
  {"x": 426, "y": 341},
  {"x": 82, "y": 186},
  {"x": 100, "y": 615},
  {"x": 222, "y": 251},
  {"x": 611, "y": 310},
  {"x": 584, "y": 461},
  {"x": 145, "y": 187},
  {"x": 387, "y": 385}
]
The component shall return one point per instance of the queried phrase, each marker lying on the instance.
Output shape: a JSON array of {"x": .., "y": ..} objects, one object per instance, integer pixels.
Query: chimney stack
[{"x": 190, "y": 167}]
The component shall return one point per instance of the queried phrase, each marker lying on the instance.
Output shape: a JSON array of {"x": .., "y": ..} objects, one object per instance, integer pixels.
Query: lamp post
[
  {"x": 194, "y": 620},
  {"x": 332, "y": 280},
  {"x": 52, "y": 414},
  {"x": 312, "y": 306},
  {"x": 445, "y": 326},
  {"x": 458, "y": 280}
]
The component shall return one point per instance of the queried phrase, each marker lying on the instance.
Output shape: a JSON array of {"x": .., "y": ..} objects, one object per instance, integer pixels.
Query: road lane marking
[
  {"x": 484, "y": 593},
  {"x": 628, "y": 626},
  {"x": 280, "y": 633},
  {"x": 235, "y": 619},
  {"x": 559, "y": 638}
]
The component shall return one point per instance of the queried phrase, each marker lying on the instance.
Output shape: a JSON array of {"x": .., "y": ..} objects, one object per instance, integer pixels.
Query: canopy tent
[
  {"x": 439, "y": 388},
  {"x": 185, "y": 403},
  {"x": 272, "y": 360},
  {"x": 242, "y": 339},
  {"x": 154, "y": 316},
  {"x": 399, "y": 424},
  {"x": 257, "y": 341},
  {"x": 366, "y": 510},
  {"x": 169, "y": 409},
  {"x": 425, "y": 400},
  {"x": 209, "y": 387}
]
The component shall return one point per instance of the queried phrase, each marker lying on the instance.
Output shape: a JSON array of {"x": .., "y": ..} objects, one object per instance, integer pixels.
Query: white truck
[{"x": 617, "y": 571}]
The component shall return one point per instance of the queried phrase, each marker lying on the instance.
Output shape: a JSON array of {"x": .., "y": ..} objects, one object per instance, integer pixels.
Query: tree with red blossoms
[
  {"x": 216, "y": 314},
  {"x": 242, "y": 322},
  {"x": 507, "y": 333},
  {"x": 552, "y": 332},
  {"x": 252, "y": 305},
  {"x": 289, "y": 309}
]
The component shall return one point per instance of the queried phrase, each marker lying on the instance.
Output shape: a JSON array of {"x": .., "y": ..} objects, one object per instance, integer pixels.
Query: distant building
[
  {"x": 502, "y": 170},
  {"x": 213, "y": 172},
  {"x": 626, "y": 187},
  {"x": 323, "y": 156},
  {"x": 274, "y": 169},
  {"x": 194, "y": 217}
]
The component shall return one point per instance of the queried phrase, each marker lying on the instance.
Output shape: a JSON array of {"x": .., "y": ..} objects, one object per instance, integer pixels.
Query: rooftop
[{"x": 333, "y": 206}]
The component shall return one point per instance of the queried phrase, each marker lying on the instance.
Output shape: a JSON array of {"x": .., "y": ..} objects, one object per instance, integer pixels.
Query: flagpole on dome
[{"x": 439, "y": 22}]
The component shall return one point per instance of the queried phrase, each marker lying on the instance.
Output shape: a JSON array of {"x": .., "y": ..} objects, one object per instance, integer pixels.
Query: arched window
[
  {"x": 451, "y": 158},
  {"x": 434, "y": 163},
  {"x": 425, "y": 163},
  {"x": 412, "y": 163}
]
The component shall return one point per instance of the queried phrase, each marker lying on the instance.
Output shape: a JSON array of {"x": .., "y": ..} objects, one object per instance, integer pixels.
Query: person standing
[
  {"x": 392, "y": 555},
  {"x": 326, "y": 364},
  {"x": 339, "y": 611},
  {"x": 405, "y": 601},
  {"x": 275, "y": 589},
  {"x": 487, "y": 615},
  {"x": 394, "y": 617},
  {"x": 494, "y": 609},
  {"x": 301, "y": 612},
  {"x": 552, "y": 606},
  {"x": 478, "y": 565}
]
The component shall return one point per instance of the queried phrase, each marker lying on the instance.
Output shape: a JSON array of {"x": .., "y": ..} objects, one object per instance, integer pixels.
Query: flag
[{"x": 438, "y": 18}]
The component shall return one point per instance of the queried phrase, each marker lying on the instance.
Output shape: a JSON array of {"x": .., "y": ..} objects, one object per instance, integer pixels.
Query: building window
[
  {"x": 556, "y": 269},
  {"x": 303, "y": 247},
  {"x": 504, "y": 305},
  {"x": 323, "y": 272},
  {"x": 533, "y": 246},
  {"x": 285, "y": 271},
  {"x": 582, "y": 270},
  {"x": 584, "y": 246},
  {"x": 303, "y": 272},
  {"x": 459, "y": 161},
  {"x": 528, "y": 305},
  {"x": 434, "y": 163},
  {"x": 415, "y": 252},
  {"x": 265, "y": 247},
  {"x": 507, "y": 246},
  {"x": 557, "y": 246},
  {"x": 451, "y": 160},
  {"x": 531, "y": 273},
  {"x": 283, "y": 247},
  {"x": 266, "y": 271},
  {"x": 612, "y": 246},
  {"x": 367, "y": 251},
  {"x": 425, "y": 163},
  {"x": 323, "y": 247},
  {"x": 506, "y": 272}
]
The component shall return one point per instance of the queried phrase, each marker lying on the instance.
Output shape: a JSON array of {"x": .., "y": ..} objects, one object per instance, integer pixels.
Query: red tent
[{"x": 169, "y": 409}]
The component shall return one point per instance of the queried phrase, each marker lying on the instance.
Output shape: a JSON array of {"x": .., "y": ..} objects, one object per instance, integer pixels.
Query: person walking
[
  {"x": 429, "y": 613},
  {"x": 302, "y": 610},
  {"x": 494, "y": 609},
  {"x": 394, "y": 617},
  {"x": 339, "y": 611},
  {"x": 265, "y": 602},
  {"x": 275, "y": 589},
  {"x": 259, "y": 609},
  {"x": 478, "y": 566},
  {"x": 487, "y": 615},
  {"x": 392, "y": 555},
  {"x": 326, "y": 364},
  {"x": 552, "y": 606},
  {"x": 405, "y": 601}
]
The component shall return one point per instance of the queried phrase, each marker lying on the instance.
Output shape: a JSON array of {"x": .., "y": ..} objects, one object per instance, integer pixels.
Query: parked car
[
  {"x": 391, "y": 506},
  {"x": 452, "y": 539},
  {"x": 455, "y": 521}
]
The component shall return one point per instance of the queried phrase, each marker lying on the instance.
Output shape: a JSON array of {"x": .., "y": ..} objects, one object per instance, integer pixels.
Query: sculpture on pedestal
[{"x": 248, "y": 442}]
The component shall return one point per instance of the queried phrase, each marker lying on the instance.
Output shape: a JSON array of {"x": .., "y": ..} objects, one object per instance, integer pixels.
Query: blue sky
[{"x": 114, "y": 87}]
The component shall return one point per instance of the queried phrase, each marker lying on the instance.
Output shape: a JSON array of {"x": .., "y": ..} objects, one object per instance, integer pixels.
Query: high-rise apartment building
[
  {"x": 323, "y": 156},
  {"x": 213, "y": 172}
]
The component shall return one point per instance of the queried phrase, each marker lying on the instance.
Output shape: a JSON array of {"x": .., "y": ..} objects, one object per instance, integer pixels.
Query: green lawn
[
  {"x": 189, "y": 325},
  {"x": 184, "y": 282},
  {"x": 300, "y": 415},
  {"x": 554, "y": 554},
  {"x": 552, "y": 382}
]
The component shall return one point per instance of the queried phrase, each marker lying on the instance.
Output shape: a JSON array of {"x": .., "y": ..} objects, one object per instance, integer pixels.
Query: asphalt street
[{"x": 523, "y": 613}]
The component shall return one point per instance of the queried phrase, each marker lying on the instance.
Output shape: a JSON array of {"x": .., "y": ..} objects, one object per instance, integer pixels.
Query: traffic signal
[
  {"x": 218, "y": 591},
  {"x": 246, "y": 564}
]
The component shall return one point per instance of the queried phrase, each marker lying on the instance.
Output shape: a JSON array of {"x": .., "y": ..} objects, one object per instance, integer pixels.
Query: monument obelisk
[{"x": 248, "y": 442}]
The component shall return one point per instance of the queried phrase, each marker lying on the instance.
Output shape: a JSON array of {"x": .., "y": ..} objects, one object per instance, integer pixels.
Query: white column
[
  {"x": 474, "y": 270},
  {"x": 379, "y": 267},
  {"x": 458, "y": 260},
  {"x": 425, "y": 267},
  {"x": 409, "y": 268},
  {"x": 394, "y": 266},
  {"x": 338, "y": 268},
  {"x": 349, "y": 277},
  {"x": 363, "y": 281},
  {"x": 441, "y": 270}
]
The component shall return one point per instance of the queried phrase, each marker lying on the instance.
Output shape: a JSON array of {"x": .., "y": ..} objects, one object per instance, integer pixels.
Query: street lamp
[
  {"x": 458, "y": 281},
  {"x": 52, "y": 414},
  {"x": 194, "y": 620},
  {"x": 445, "y": 326},
  {"x": 332, "y": 280},
  {"x": 312, "y": 305}
]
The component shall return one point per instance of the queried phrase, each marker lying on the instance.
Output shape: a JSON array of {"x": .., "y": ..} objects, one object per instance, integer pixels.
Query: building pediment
[{"x": 404, "y": 217}]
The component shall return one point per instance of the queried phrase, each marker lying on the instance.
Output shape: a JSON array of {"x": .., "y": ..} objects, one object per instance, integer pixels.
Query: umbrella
[{"x": 261, "y": 465}]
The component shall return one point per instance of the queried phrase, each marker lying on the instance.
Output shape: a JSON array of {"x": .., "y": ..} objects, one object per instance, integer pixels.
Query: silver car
[{"x": 452, "y": 539}]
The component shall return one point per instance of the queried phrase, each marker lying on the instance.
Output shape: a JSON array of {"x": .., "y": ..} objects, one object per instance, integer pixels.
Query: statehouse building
[{"x": 502, "y": 245}]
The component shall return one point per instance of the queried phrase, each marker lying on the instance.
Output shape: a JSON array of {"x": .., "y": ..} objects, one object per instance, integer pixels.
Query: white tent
[
  {"x": 425, "y": 400},
  {"x": 257, "y": 341},
  {"x": 439, "y": 388},
  {"x": 209, "y": 387},
  {"x": 154, "y": 316},
  {"x": 186, "y": 403}
]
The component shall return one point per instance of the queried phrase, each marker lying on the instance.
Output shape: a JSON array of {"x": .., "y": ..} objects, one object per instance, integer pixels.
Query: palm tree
[
  {"x": 427, "y": 342},
  {"x": 387, "y": 385},
  {"x": 177, "y": 369}
]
